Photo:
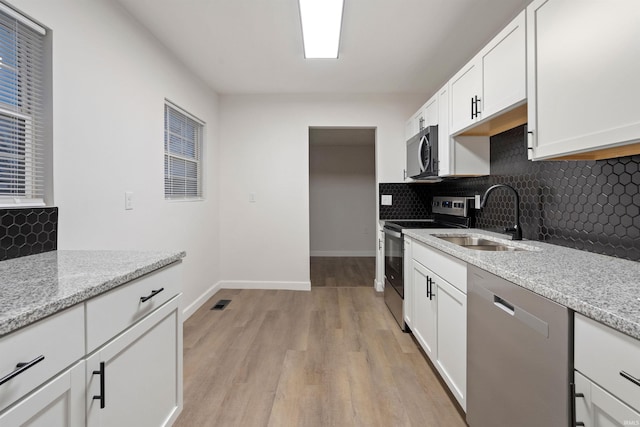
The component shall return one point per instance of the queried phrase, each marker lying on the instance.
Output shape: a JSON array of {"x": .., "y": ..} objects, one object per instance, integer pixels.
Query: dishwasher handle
[
  {"x": 504, "y": 305},
  {"x": 519, "y": 313}
]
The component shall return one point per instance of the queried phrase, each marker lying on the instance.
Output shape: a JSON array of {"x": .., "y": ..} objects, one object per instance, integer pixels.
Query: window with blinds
[
  {"x": 22, "y": 112},
  {"x": 182, "y": 154}
]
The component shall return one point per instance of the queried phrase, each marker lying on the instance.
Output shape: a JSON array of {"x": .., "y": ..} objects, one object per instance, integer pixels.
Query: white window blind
[
  {"x": 22, "y": 133},
  {"x": 182, "y": 154}
]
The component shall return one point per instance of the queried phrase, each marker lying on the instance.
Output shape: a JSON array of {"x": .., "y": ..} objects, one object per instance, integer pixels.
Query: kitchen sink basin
[{"x": 479, "y": 243}]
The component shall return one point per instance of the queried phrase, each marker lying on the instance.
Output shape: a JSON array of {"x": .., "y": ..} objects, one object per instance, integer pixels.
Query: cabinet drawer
[
  {"x": 603, "y": 355},
  {"x": 116, "y": 310},
  {"x": 449, "y": 268},
  {"x": 59, "y": 403},
  {"x": 59, "y": 339}
]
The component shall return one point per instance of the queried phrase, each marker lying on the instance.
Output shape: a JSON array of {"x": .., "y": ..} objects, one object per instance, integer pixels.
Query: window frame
[
  {"x": 199, "y": 150},
  {"x": 31, "y": 149}
]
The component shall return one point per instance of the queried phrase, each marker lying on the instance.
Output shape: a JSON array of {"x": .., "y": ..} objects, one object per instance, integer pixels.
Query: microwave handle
[{"x": 423, "y": 167}]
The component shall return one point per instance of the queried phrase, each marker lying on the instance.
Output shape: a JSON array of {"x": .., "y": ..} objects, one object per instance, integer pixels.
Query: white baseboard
[
  {"x": 343, "y": 253},
  {"x": 194, "y": 306},
  {"x": 257, "y": 284}
]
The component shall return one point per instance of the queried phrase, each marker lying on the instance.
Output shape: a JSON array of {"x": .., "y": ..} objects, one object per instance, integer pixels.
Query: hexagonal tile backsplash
[
  {"x": 588, "y": 205},
  {"x": 27, "y": 231}
]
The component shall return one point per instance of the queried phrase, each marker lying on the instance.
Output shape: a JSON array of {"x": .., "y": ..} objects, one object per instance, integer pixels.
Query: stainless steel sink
[{"x": 479, "y": 243}]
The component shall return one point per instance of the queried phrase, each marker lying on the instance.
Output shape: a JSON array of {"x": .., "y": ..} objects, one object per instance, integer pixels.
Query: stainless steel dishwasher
[{"x": 518, "y": 356}]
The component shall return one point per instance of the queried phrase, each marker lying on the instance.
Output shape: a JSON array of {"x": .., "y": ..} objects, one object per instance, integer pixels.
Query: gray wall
[{"x": 342, "y": 200}]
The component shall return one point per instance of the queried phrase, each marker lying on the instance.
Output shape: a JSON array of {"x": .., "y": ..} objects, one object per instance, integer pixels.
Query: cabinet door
[
  {"x": 380, "y": 261},
  {"x": 141, "y": 378},
  {"x": 504, "y": 72},
  {"x": 595, "y": 407},
  {"x": 408, "y": 285},
  {"x": 452, "y": 338},
  {"x": 465, "y": 86},
  {"x": 430, "y": 111},
  {"x": 424, "y": 309},
  {"x": 409, "y": 129},
  {"x": 59, "y": 403},
  {"x": 445, "y": 158},
  {"x": 415, "y": 123},
  {"x": 583, "y": 66}
]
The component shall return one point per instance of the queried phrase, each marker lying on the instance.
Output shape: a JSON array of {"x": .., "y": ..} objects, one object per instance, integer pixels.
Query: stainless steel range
[{"x": 448, "y": 212}]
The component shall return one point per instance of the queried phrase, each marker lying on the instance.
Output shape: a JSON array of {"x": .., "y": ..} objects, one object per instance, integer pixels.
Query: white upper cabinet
[
  {"x": 583, "y": 67},
  {"x": 427, "y": 115},
  {"x": 466, "y": 94},
  {"x": 493, "y": 82},
  {"x": 413, "y": 124},
  {"x": 444, "y": 141},
  {"x": 430, "y": 111},
  {"x": 504, "y": 69},
  {"x": 459, "y": 155}
]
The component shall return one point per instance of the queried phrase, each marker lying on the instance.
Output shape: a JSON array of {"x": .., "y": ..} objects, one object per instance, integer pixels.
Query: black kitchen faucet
[{"x": 516, "y": 230}]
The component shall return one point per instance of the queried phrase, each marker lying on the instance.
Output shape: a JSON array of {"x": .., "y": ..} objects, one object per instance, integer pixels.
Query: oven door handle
[{"x": 392, "y": 233}]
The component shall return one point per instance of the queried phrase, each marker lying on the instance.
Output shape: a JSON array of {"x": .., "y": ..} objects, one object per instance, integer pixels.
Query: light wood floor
[
  {"x": 343, "y": 271},
  {"x": 328, "y": 357}
]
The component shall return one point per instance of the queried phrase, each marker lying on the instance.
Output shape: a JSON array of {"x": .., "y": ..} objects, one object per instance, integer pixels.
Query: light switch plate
[
  {"x": 128, "y": 200},
  {"x": 386, "y": 200}
]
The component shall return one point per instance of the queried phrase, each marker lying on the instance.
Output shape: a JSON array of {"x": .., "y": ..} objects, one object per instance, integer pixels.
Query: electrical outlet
[
  {"x": 476, "y": 201},
  {"x": 128, "y": 200},
  {"x": 252, "y": 197},
  {"x": 386, "y": 200}
]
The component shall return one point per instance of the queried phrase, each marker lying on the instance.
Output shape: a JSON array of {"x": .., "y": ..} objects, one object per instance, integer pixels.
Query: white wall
[
  {"x": 342, "y": 199},
  {"x": 110, "y": 79},
  {"x": 265, "y": 150}
]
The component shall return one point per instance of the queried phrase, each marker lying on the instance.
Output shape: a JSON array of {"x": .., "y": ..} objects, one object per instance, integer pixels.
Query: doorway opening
[{"x": 342, "y": 206}]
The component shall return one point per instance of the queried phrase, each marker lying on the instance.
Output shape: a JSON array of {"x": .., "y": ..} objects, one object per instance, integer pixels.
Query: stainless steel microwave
[{"x": 422, "y": 154}]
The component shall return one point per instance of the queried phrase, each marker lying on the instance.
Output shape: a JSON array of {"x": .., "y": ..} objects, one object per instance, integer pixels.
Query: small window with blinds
[
  {"x": 182, "y": 154},
  {"x": 22, "y": 109}
]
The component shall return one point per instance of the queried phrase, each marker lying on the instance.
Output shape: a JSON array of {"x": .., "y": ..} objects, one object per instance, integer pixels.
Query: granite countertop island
[
  {"x": 36, "y": 286},
  {"x": 604, "y": 288}
]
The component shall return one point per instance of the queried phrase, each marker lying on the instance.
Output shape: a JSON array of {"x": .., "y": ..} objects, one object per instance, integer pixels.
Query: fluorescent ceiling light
[{"x": 321, "y": 23}]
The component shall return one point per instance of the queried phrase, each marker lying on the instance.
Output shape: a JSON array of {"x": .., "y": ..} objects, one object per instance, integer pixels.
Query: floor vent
[{"x": 220, "y": 305}]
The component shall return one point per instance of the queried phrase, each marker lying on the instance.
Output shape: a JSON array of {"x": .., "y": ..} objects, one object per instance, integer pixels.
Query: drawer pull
[
  {"x": 630, "y": 378},
  {"x": 153, "y": 293},
  {"x": 20, "y": 368},
  {"x": 101, "y": 396}
]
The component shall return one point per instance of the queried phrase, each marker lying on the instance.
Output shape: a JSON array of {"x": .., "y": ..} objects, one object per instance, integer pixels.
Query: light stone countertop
[
  {"x": 36, "y": 286},
  {"x": 601, "y": 287}
]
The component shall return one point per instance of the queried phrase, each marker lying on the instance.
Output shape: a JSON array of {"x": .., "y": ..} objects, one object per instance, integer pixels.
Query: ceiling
[{"x": 387, "y": 46}]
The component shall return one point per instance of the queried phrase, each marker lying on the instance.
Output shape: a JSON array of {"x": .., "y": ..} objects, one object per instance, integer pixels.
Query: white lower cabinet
[
  {"x": 596, "y": 407},
  {"x": 607, "y": 376},
  {"x": 379, "y": 282},
  {"x": 424, "y": 309},
  {"x": 452, "y": 338},
  {"x": 440, "y": 314},
  {"x": 58, "y": 403},
  {"x": 407, "y": 302},
  {"x": 115, "y": 360},
  {"x": 136, "y": 379}
]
